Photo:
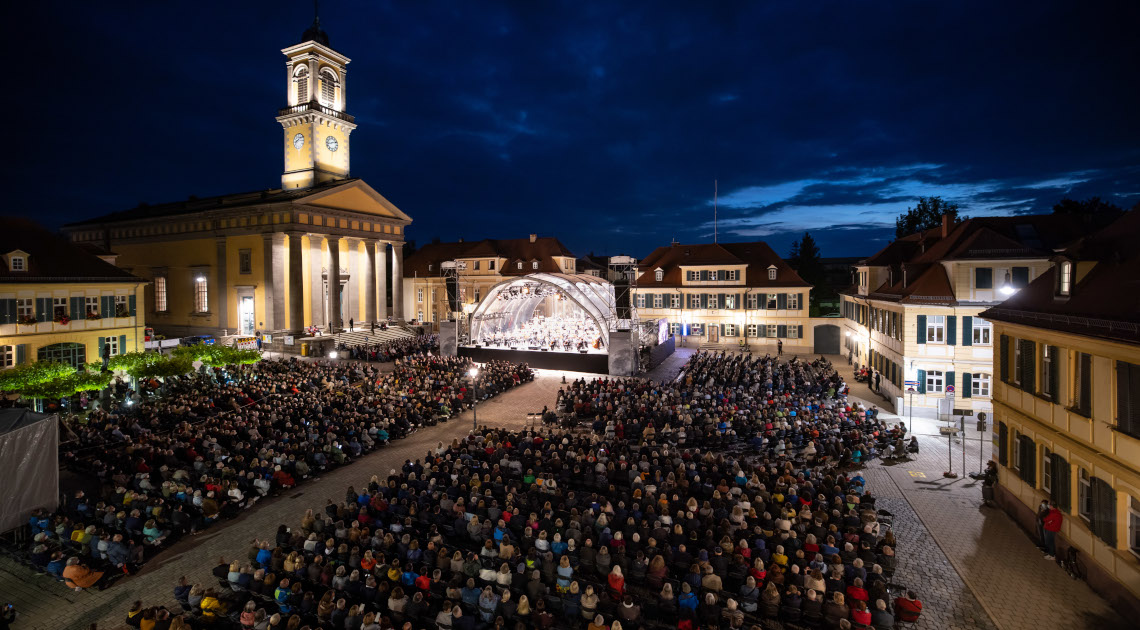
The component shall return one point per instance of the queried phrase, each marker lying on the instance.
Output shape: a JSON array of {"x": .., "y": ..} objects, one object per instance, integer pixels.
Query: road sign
[
  {"x": 949, "y": 389},
  {"x": 910, "y": 383}
]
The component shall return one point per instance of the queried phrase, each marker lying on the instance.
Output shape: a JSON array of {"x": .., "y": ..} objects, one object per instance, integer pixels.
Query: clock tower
[{"x": 316, "y": 127}]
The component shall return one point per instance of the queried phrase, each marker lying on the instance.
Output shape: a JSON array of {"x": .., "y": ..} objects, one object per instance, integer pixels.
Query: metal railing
[{"x": 314, "y": 106}]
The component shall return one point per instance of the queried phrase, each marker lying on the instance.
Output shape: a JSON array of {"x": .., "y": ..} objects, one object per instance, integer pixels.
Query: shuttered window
[
  {"x": 1104, "y": 511},
  {"x": 1003, "y": 359},
  {"x": 1027, "y": 466},
  {"x": 1028, "y": 363},
  {"x": 1082, "y": 384},
  {"x": 1003, "y": 444},
  {"x": 1128, "y": 398},
  {"x": 1060, "y": 488}
]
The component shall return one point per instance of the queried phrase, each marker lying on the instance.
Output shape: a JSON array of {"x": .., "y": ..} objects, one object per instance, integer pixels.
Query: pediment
[{"x": 355, "y": 196}]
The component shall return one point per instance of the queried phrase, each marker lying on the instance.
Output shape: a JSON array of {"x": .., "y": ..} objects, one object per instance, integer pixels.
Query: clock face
[
  {"x": 298, "y": 141},
  {"x": 331, "y": 143}
]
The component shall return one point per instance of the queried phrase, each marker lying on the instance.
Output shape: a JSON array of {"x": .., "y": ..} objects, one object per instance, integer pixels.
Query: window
[
  {"x": 1016, "y": 450},
  {"x": 1082, "y": 384},
  {"x": 751, "y": 300},
  {"x": 1134, "y": 524},
  {"x": 714, "y": 301},
  {"x": 491, "y": 265},
  {"x": 793, "y": 332},
  {"x": 328, "y": 89},
  {"x": 639, "y": 300},
  {"x": 476, "y": 265},
  {"x": 113, "y": 344},
  {"x": 751, "y": 330},
  {"x": 674, "y": 328},
  {"x": 1128, "y": 398},
  {"x": 730, "y": 330},
  {"x": 91, "y": 306},
  {"x": 245, "y": 261},
  {"x": 983, "y": 331},
  {"x": 659, "y": 275},
  {"x": 771, "y": 302},
  {"x": 476, "y": 294},
  {"x": 201, "y": 295},
  {"x": 121, "y": 308},
  {"x": 302, "y": 79},
  {"x": 979, "y": 384},
  {"x": 73, "y": 354},
  {"x": 983, "y": 278},
  {"x": 59, "y": 308},
  {"x": 658, "y": 300},
  {"x": 772, "y": 331},
  {"x": 771, "y": 273},
  {"x": 1047, "y": 470},
  {"x": 534, "y": 265},
  {"x": 419, "y": 295},
  {"x": 160, "y": 294},
  {"x": 25, "y": 310},
  {"x": 1065, "y": 280},
  {"x": 697, "y": 330},
  {"x": 1019, "y": 277},
  {"x": 7, "y": 356},
  {"x": 794, "y": 301},
  {"x": 1084, "y": 496},
  {"x": 936, "y": 328},
  {"x": 1048, "y": 365},
  {"x": 18, "y": 263},
  {"x": 1017, "y": 361},
  {"x": 934, "y": 381},
  {"x": 863, "y": 278},
  {"x": 520, "y": 264},
  {"x": 420, "y": 315},
  {"x": 675, "y": 300},
  {"x": 730, "y": 300},
  {"x": 433, "y": 294},
  {"x": 733, "y": 274}
]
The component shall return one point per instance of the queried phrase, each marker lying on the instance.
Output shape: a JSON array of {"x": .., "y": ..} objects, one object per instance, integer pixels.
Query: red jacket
[{"x": 1053, "y": 520}]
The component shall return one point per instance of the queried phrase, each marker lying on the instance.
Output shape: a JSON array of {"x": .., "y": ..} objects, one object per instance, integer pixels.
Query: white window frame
[
  {"x": 713, "y": 301},
  {"x": 659, "y": 275},
  {"x": 121, "y": 300},
  {"x": 639, "y": 300},
  {"x": 772, "y": 331},
  {"x": 419, "y": 295},
  {"x": 420, "y": 315},
  {"x": 751, "y": 301},
  {"x": 113, "y": 342},
  {"x": 1015, "y": 439},
  {"x": 793, "y": 331},
  {"x": 57, "y": 304},
  {"x": 1084, "y": 495},
  {"x": 201, "y": 294},
  {"x": 793, "y": 301},
  {"x": 476, "y": 294},
  {"x": 7, "y": 356},
  {"x": 433, "y": 295},
  {"x": 752, "y": 330},
  {"x": 772, "y": 303},
  {"x": 674, "y": 300},
  {"x": 658, "y": 301},
  {"x": 160, "y": 294},
  {"x": 733, "y": 274},
  {"x": 91, "y": 305},
  {"x": 674, "y": 328},
  {"x": 25, "y": 307},
  {"x": 534, "y": 265},
  {"x": 18, "y": 263},
  {"x": 935, "y": 382},
  {"x": 1048, "y": 364},
  {"x": 1016, "y": 361},
  {"x": 730, "y": 300},
  {"x": 520, "y": 264},
  {"x": 982, "y": 333},
  {"x": 980, "y": 385},
  {"x": 1065, "y": 286},
  {"x": 730, "y": 330},
  {"x": 771, "y": 274},
  {"x": 935, "y": 329},
  {"x": 1046, "y": 469}
]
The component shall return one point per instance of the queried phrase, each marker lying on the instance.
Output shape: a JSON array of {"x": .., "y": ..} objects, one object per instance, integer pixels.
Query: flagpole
[{"x": 714, "y": 211}]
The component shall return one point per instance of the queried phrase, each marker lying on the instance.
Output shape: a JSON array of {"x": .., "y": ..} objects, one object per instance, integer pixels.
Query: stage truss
[{"x": 515, "y": 300}]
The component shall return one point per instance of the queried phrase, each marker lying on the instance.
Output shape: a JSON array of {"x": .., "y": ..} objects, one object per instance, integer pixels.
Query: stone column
[
  {"x": 382, "y": 280},
  {"x": 398, "y": 280},
  {"x": 353, "y": 286},
  {"x": 316, "y": 267},
  {"x": 296, "y": 284},
  {"x": 333, "y": 275},
  {"x": 222, "y": 290},
  {"x": 369, "y": 280},
  {"x": 274, "y": 249}
]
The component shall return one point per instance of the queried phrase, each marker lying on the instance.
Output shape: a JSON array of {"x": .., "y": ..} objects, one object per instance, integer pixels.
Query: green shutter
[
  {"x": 99, "y": 347},
  {"x": 1054, "y": 368},
  {"x": 122, "y": 344},
  {"x": 967, "y": 383},
  {"x": 77, "y": 308},
  {"x": 1061, "y": 493},
  {"x": 21, "y": 353},
  {"x": 921, "y": 337},
  {"x": 1003, "y": 359},
  {"x": 1029, "y": 462},
  {"x": 1028, "y": 365},
  {"x": 1003, "y": 444},
  {"x": 782, "y": 301},
  {"x": 7, "y": 311},
  {"x": 922, "y": 381},
  {"x": 800, "y": 332},
  {"x": 781, "y": 331},
  {"x": 720, "y": 300},
  {"x": 967, "y": 330},
  {"x": 950, "y": 381},
  {"x": 43, "y": 309},
  {"x": 951, "y": 330},
  {"x": 1104, "y": 511},
  {"x": 131, "y": 304}
]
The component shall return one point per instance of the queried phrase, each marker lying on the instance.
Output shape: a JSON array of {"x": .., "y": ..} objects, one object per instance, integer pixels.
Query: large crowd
[
  {"x": 216, "y": 442},
  {"x": 390, "y": 350},
  {"x": 729, "y": 498}
]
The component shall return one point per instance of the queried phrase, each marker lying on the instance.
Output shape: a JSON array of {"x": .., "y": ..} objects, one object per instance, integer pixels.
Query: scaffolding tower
[{"x": 622, "y": 273}]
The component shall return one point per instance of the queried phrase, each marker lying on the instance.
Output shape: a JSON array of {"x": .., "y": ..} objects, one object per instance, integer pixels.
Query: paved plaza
[{"x": 972, "y": 566}]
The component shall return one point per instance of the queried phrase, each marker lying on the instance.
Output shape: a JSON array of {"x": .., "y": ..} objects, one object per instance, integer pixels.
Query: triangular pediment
[{"x": 355, "y": 196}]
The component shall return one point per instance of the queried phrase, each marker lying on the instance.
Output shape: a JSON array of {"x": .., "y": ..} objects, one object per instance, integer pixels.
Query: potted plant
[
  {"x": 62, "y": 320},
  {"x": 94, "y": 315},
  {"x": 27, "y": 320}
]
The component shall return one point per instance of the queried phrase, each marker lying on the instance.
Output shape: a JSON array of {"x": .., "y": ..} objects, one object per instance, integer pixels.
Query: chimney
[
  {"x": 947, "y": 223},
  {"x": 533, "y": 237}
]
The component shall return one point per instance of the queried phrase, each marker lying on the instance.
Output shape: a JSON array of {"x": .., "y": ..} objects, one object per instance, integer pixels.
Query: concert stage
[{"x": 592, "y": 362}]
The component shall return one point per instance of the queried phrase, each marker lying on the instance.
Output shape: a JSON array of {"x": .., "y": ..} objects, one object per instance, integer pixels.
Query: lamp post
[{"x": 474, "y": 374}]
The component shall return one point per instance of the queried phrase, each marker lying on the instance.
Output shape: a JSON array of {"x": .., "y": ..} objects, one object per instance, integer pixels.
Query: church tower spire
[{"x": 315, "y": 122}]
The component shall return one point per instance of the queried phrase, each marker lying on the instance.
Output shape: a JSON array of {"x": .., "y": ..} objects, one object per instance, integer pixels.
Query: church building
[{"x": 321, "y": 249}]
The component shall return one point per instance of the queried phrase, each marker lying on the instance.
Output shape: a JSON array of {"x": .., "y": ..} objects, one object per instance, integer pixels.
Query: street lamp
[
  {"x": 1007, "y": 286},
  {"x": 474, "y": 373}
]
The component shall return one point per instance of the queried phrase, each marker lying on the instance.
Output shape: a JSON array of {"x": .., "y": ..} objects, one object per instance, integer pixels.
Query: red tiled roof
[
  {"x": 52, "y": 258},
  {"x": 758, "y": 256},
  {"x": 543, "y": 249}
]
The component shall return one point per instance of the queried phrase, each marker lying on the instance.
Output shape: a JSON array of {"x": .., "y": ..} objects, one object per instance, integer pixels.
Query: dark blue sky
[{"x": 602, "y": 123}]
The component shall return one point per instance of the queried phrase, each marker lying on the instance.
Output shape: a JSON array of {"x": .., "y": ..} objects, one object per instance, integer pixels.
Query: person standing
[
  {"x": 350, "y": 326},
  {"x": 1042, "y": 512},
  {"x": 779, "y": 347},
  {"x": 1052, "y": 524}
]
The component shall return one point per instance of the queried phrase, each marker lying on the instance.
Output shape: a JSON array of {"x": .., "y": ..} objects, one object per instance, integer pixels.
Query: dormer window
[
  {"x": 520, "y": 264},
  {"x": 659, "y": 275},
  {"x": 18, "y": 263},
  {"x": 534, "y": 265},
  {"x": 1065, "y": 278},
  {"x": 772, "y": 272}
]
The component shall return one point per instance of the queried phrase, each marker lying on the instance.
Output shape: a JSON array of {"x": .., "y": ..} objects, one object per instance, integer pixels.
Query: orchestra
[{"x": 553, "y": 333}]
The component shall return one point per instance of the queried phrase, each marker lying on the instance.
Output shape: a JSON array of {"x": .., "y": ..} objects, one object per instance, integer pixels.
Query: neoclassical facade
[{"x": 320, "y": 250}]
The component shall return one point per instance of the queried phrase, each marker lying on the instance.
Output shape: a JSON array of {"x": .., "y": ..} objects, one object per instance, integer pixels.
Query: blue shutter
[
  {"x": 951, "y": 330},
  {"x": 922, "y": 333},
  {"x": 21, "y": 353},
  {"x": 720, "y": 300},
  {"x": 43, "y": 309},
  {"x": 77, "y": 308},
  {"x": 131, "y": 304},
  {"x": 967, "y": 330},
  {"x": 122, "y": 343},
  {"x": 781, "y": 331},
  {"x": 763, "y": 303},
  {"x": 921, "y": 380},
  {"x": 99, "y": 348},
  {"x": 967, "y": 384},
  {"x": 782, "y": 301},
  {"x": 801, "y": 331}
]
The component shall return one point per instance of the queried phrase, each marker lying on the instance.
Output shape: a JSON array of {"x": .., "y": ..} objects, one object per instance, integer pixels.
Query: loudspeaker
[
  {"x": 583, "y": 351},
  {"x": 452, "y": 294}
]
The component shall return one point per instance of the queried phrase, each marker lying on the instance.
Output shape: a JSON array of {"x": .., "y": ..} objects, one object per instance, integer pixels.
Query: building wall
[
  {"x": 79, "y": 330},
  {"x": 180, "y": 261},
  {"x": 1091, "y": 444}
]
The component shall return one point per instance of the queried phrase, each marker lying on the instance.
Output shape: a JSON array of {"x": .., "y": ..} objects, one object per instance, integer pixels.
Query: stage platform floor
[{"x": 594, "y": 361}]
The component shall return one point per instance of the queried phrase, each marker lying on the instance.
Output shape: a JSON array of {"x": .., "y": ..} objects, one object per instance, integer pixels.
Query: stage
[{"x": 591, "y": 362}]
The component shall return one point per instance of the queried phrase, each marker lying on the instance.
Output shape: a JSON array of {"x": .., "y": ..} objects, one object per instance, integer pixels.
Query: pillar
[
  {"x": 353, "y": 285},
  {"x": 382, "y": 280},
  {"x": 333, "y": 276},
  {"x": 369, "y": 280},
  {"x": 274, "y": 250},
  {"x": 398, "y": 280},
  {"x": 222, "y": 290},
  {"x": 296, "y": 284},
  {"x": 316, "y": 268}
]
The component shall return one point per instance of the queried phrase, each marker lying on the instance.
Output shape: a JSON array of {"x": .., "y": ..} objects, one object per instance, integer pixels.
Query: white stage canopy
[{"x": 516, "y": 300}]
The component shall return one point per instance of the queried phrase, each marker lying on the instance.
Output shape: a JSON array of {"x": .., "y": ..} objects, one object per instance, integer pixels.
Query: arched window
[
  {"x": 328, "y": 88},
  {"x": 301, "y": 78},
  {"x": 73, "y": 354}
]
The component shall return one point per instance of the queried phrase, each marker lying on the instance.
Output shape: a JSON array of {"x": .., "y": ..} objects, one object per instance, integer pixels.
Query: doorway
[
  {"x": 246, "y": 317},
  {"x": 714, "y": 333}
]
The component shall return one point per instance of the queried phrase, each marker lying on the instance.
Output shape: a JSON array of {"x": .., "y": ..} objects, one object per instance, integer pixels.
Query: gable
[{"x": 355, "y": 196}]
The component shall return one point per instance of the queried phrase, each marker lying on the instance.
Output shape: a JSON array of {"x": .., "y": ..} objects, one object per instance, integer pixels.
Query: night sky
[{"x": 601, "y": 123}]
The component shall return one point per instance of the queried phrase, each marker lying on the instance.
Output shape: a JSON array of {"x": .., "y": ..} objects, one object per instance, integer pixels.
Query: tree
[
  {"x": 805, "y": 259},
  {"x": 1090, "y": 206},
  {"x": 926, "y": 214}
]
